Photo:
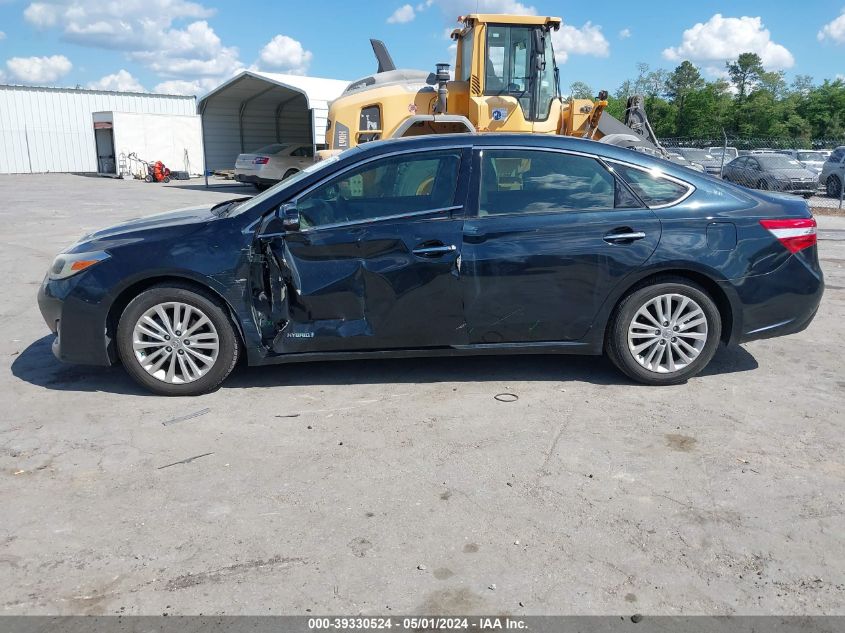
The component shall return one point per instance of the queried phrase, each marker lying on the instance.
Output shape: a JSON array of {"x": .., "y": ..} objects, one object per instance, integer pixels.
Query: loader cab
[{"x": 507, "y": 56}]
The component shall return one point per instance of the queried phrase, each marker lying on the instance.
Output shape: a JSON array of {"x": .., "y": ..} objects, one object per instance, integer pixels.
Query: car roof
[{"x": 541, "y": 141}]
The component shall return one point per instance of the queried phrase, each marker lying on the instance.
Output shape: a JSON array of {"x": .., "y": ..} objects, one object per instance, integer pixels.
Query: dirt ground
[{"x": 403, "y": 486}]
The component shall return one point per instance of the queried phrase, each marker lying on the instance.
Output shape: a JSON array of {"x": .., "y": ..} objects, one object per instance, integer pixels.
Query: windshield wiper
[{"x": 222, "y": 208}]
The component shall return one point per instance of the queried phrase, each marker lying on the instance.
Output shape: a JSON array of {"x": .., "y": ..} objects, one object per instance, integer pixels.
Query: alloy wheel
[
  {"x": 175, "y": 342},
  {"x": 667, "y": 333}
]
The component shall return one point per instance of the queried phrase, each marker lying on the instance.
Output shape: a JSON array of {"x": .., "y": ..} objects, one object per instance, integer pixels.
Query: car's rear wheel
[
  {"x": 833, "y": 187},
  {"x": 176, "y": 341},
  {"x": 664, "y": 333},
  {"x": 289, "y": 173}
]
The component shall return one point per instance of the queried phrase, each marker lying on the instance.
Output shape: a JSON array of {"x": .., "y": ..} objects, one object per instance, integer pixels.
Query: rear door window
[
  {"x": 653, "y": 188},
  {"x": 520, "y": 181}
]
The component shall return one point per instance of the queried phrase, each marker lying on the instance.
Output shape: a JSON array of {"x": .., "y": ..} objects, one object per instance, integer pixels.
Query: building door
[{"x": 104, "y": 137}]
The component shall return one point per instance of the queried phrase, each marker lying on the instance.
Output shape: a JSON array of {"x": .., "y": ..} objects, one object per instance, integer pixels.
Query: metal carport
[{"x": 256, "y": 108}]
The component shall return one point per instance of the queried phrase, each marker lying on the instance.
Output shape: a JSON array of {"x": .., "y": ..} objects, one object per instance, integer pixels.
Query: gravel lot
[{"x": 403, "y": 486}]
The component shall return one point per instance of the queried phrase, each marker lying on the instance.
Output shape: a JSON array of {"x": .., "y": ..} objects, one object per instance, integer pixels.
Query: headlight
[{"x": 68, "y": 264}]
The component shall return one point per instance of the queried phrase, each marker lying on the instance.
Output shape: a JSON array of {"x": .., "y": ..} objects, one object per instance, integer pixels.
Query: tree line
[{"x": 748, "y": 102}]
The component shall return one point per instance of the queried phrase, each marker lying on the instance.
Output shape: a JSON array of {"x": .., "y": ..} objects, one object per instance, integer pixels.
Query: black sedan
[
  {"x": 774, "y": 172},
  {"x": 443, "y": 245}
]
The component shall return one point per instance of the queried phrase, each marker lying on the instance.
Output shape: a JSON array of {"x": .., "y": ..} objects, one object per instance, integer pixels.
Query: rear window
[
  {"x": 520, "y": 181},
  {"x": 652, "y": 188},
  {"x": 275, "y": 148}
]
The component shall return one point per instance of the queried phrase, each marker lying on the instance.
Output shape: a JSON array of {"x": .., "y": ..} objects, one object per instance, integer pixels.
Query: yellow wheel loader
[{"x": 505, "y": 80}]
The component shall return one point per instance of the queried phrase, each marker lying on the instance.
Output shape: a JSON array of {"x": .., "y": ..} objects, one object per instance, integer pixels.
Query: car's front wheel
[
  {"x": 176, "y": 341},
  {"x": 664, "y": 333}
]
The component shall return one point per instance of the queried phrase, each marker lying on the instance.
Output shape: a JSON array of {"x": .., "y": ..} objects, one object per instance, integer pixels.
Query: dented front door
[{"x": 388, "y": 282}]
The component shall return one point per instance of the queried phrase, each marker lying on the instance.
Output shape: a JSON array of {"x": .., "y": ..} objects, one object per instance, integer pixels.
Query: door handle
[
  {"x": 434, "y": 250},
  {"x": 628, "y": 236}
]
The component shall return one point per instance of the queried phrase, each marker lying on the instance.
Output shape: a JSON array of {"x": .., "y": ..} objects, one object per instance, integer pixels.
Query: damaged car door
[{"x": 369, "y": 258}]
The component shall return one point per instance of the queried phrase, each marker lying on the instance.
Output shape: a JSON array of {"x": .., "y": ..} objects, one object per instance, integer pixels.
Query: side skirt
[{"x": 483, "y": 349}]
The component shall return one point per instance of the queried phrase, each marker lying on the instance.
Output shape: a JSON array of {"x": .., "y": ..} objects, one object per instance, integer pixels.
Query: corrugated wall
[
  {"x": 222, "y": 124},
  {"x": 51, "y": 129}
]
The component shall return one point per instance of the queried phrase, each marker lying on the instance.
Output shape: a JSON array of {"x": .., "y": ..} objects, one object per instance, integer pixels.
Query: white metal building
[
  {"x": 53, "y": 129},
  {"x": 255, "y": 108}
]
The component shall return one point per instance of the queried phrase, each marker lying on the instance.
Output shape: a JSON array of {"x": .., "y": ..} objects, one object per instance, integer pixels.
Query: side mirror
[
  {"x": 283, "y": 220},
  {"x": 290, "y": 216}
]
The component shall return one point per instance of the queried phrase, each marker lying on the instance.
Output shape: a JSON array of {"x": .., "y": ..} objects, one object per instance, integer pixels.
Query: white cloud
[
  {"x": 41, "y": 15},
  {"x": 402, "y": 15},
  {"x": 834, "y": 30},
  {"x": 121, "y": 81},
  {"x": 286, "y": 54},
  {"x": 2, "y": 35},
  {"x": 588, "y": 40},
  {"x": 624, "y": 34},
  {"x": 38, "y": 70},
  {"x": 183, "y": 87},
  {"x": 722, "y": 39},
  {"x": 146, "y": 30}
]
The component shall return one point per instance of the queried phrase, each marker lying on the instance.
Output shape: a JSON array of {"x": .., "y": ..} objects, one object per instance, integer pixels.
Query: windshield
[
  {"x": 695, "y": 154},
  {"x": 811, "y": 156},
  {"x": 271, "y": 149},
  {"x": 778, "y": 161},
  {"x": 287, "y": 182}
]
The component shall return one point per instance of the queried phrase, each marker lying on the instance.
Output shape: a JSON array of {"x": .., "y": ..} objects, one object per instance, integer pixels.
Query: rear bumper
[
  {"x": 779, "y": 303},
  {"x": 254, "y": 180}
]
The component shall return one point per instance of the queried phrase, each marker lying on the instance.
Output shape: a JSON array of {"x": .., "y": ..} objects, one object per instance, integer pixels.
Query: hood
[
  {"x": 792, "y": 172},
  {"x": 128, "y": 232}
]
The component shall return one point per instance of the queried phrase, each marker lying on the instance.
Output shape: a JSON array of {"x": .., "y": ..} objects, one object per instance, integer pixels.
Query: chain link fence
[
  {"x": 738, "y": 146},
  {"x": 754, "y": 143}
]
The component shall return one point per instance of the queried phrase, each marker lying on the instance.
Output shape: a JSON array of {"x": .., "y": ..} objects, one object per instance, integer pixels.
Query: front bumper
[
  {"x": 782, "y": 302},
  {"x": 79, "y": 326}
]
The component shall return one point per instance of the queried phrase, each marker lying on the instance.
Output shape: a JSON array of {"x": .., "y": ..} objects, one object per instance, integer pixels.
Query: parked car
[
  {"x": 729, "y": 152},
  {"x": 701, "y": 157},
  {"x": 833, "y": 173},
  {"x": 402, "y": 248},
  {"x": 811, "y": 159},
  {"x": 771, "y": 171},
  {"x": 678, "y": 159},
  {"x": 272, "y": 163}
]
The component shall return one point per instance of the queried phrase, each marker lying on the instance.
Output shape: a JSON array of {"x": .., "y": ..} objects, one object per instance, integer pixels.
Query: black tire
[
  {"x": 228, "y": 341},
  {"x": 833, "y": 187},
  {"x": 261, "y": 187},
  {"x": 166, "y": 179},
  {"x": 289, "y": 173},
  {"x": 148, "y": 178},
  {"x": 617, "y": 346}
]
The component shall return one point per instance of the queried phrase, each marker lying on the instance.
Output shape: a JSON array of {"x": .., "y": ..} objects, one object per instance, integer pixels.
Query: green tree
[
  {"x": 580, "y": 90},
  {"x": 685, "y": 79},
  {"x": 745, "y": 73}
]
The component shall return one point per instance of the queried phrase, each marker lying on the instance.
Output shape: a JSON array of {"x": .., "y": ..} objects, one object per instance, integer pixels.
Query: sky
[{"x": 191, "y": 46}]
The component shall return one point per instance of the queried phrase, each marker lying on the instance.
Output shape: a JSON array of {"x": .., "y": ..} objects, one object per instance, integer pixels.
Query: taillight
[
  {"x": 260, "y": 160},
  {"x": 796, "y": 234}
]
